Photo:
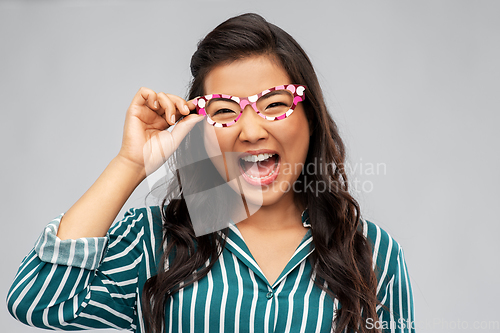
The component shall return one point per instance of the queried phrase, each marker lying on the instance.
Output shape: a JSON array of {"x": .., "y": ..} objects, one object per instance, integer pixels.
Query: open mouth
[{"x": 261, "y": 169}]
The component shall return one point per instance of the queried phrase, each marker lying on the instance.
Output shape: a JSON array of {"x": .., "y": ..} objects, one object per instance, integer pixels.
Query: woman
[{"x": 253, "y": 241}]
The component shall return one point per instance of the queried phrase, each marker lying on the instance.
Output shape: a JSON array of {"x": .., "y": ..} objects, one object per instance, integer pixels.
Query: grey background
[{"x": 413, "y": 86}]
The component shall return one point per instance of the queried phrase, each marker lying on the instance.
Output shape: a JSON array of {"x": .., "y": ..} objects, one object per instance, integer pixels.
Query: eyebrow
[
  {"x": 269, "y": 94},
  {"x": 222, "y": 99},
  {"x": 274, "y": 92}
]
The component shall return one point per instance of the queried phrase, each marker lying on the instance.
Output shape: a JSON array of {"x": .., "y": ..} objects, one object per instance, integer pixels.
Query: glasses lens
[
  {"x": 275, "y": 103},
  {"x": 222, "y": 110}
]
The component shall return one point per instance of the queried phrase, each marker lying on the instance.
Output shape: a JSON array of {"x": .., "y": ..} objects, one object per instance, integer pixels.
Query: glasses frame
[{"x": 297, "y": 90}]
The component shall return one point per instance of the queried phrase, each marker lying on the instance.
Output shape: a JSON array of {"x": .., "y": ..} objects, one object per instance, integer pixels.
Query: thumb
[
  {"x": 182, "y": 128},
  {"x": 161, "y": 146}
]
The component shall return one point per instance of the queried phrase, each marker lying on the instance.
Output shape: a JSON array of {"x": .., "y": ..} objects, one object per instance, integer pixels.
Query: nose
[{"x": 252, "y": 127}]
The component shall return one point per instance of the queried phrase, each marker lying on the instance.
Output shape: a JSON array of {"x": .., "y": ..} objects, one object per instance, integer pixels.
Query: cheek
[
  {"x": 211, "y": 141},
  {"x": 294, "y": 135},
  {"x": 216, "y": 146}
]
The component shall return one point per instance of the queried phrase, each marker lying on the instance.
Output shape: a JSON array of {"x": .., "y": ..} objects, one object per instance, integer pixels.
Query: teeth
[
  {"x": 256, "y": 158},
  {"x": 270, "y": 174}
]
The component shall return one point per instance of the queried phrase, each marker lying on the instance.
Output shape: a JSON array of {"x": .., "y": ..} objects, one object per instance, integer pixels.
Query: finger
[
  {"x": 181, "y": 105},
  {"x": 183, "y": 127},
  {"x": 191, "y": 104},
  {"x": 175, "y": 107},
  {"x": 146, "y": 96},
  {"x": 167, "y": 108}
]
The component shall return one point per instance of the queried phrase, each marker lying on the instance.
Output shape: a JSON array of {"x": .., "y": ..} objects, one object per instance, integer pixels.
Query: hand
[{"x": 146, "y": 143}]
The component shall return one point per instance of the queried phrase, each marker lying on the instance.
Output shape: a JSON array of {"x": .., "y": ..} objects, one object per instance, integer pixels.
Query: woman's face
[{"x": 283, "y": 144}]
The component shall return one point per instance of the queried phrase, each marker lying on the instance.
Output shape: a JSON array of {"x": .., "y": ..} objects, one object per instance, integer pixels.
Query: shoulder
[
  {"x": 139, "y": 225},
  {"x": 147, "y": 218},
  {"x": 394, "y": 290},
  {"x": 385, "y": 249},
  {"x": 135, "y": 241}
]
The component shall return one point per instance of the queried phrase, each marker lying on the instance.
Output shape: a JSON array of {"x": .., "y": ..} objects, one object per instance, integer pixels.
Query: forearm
[
  {"x": 59, "y": 284},
  {"x": 95, "y": 211}
]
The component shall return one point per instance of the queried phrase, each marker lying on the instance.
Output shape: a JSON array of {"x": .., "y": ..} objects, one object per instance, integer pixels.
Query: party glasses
[{"x": 272, "y": 104}]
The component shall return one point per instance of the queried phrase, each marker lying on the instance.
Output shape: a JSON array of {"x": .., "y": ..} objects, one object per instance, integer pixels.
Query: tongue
[{"x": 260, "y": 169}]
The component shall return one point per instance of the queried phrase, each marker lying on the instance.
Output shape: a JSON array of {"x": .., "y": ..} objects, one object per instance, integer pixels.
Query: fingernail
[
  {"x": 172, "y": 119},
  {"x": 156, "y": 104},
  {"x": 186, "y": 108}
]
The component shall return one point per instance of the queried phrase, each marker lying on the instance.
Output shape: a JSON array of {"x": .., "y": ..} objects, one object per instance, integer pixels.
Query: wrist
[{"x": 129, "y": 169}]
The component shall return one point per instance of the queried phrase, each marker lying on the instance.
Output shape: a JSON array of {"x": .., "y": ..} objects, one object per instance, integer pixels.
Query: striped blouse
[{"x": 92, "y": 283}]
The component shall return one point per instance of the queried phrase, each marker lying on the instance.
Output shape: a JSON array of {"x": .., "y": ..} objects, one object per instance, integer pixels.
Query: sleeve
[
  {"x": 395, "y": 311},
  {"x": 86, "y": 283}
]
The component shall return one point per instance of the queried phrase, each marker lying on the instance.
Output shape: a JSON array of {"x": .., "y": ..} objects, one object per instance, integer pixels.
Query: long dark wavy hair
[{"x": 342, "y": 258}]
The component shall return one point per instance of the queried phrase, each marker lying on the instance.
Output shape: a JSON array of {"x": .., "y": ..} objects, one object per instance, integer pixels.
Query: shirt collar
[{"x": 237, "y": 246}]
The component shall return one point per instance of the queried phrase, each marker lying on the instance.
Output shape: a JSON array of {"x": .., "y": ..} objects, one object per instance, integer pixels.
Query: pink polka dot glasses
[{"x": 272, "y": 104}]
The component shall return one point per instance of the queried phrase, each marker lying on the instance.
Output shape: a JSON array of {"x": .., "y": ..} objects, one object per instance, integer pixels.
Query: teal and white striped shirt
[{"x": 93, "y": 283}]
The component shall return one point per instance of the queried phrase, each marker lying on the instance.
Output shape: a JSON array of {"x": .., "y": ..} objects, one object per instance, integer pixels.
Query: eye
[
  {"x": 275, "y": 105},
  {"x": 223, "y": 111}
]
